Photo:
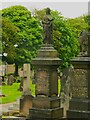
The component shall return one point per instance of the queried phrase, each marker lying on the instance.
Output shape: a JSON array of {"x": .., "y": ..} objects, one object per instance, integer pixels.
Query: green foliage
[
  {"x": 64, "y": 40},
  {"x": 77, "y": 25},
  {"x": 29, "y": 34},
  {"x": 0, "y": 47},
  {"x": 9, "y": 39},
  {"x": 87, "y": 18}
]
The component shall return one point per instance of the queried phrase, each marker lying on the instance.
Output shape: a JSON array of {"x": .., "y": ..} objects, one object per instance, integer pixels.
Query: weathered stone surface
[
  {"x": 46, "y": 114},
  {"x": 66, "y": 92},
  {"x": 26, "y": 79},
  {"x": 47, "y": 27},
  {"x": 84, "y": 43},
  {"x": 80, "y": 77},
  {"x": 25, "y": 104},
  {"x": 46, "y": 81},
  {"x": 10, "y": 80},
  {"x": 79, "y": 106},
  {"x": 77, "y": 114},
  {"x": 46, "y": 103},
  {"x": 26, "y": 99}
]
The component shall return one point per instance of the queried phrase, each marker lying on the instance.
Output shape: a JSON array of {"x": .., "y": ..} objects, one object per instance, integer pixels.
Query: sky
[{"x": 67, "y": 8}]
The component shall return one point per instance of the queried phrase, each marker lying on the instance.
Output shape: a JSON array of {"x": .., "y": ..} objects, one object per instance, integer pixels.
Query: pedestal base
[
  {"x": 85, "y": 115},
  {"x": 25, "y": 104},
  {"x": 79, "y": 108},
  {"x": 46, "y": 108},
  {"x": 46, "y": 102},
  {"x": 46, "y": 114}
]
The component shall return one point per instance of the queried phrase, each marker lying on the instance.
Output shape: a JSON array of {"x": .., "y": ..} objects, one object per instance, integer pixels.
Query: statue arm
[{"x": 45, "y": 22}]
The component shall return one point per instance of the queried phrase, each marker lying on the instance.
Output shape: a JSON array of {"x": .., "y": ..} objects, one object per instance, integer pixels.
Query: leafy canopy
[
  {"x": 29, "y": 35},
  {"x": 9, "y": 39}
]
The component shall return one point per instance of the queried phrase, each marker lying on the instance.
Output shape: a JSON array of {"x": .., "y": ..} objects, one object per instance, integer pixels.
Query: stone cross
[
  {"x": 26, "y": 99},
  {"x": 26, "y": 79}
]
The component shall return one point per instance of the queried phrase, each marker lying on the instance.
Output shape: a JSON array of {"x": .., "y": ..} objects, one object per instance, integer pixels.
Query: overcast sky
[{"x": 68, "y": 9}]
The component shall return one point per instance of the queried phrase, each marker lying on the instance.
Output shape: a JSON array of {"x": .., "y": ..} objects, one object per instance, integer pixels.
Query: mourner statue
[
  {"x": 47, "y": 27},
  {"x": 83, "y": 43}
]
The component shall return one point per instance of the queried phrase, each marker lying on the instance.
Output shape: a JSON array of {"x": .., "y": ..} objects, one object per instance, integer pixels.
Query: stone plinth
[
  {"x": 79, "y": 106},
  {"x": 46, "y": 104},
  {"x": 25, "y": 104},
  {"x": 26, "y": 99}
]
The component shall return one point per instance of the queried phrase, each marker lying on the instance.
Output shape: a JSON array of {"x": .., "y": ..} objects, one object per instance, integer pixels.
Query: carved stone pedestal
[
  {"x": 79, "y": 106},
  {"x": 25, "y": 104},
  {"x": 46, "y": 104},
  {"x": 46, "y": 108}
]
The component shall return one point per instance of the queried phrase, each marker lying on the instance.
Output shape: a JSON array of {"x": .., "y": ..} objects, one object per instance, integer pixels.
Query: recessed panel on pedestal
[{"x": 42, "y": 82}]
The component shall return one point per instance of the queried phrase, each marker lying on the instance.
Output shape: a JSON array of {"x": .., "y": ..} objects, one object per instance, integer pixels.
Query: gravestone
[
  {"x": 10, "y": 68},
  {"x": 26, "y": 99},
  {"x": 46, "y": 103},
  {"x": 79, "y": 105},
  {"x": 10, "y": 79}
]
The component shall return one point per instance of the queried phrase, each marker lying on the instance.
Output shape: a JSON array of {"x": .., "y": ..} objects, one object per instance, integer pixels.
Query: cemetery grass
[{"x": 12, "y": 93}]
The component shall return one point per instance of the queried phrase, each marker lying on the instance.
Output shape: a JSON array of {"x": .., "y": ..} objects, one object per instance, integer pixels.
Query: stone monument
[
  {"x": 46, "y": 103},
  {"x": 47, "y": 27},
  {"x": 83, "y": 43},
  {"x": 26, "y": 99},
  {"x": 79, "y": 105},
  {"x": 10, "y": 80}
]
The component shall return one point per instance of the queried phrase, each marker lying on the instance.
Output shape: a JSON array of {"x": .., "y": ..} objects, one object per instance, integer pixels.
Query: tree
[
  {"x": 87, "y": 20},
  {"x": 64, "y": 39},
  {"x": 30, "y": 33},
  {"x": 9, "y": 39},
  {"x": 77, "y": 25}
]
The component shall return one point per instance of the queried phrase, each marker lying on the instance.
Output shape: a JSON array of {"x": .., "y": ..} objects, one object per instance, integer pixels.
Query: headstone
[
  {"x": 10, "y": 80},
  {"x": 10, "y": 68},
  {"x": 26, "y": 99},
  {"x": 46, "y": 103},
  {"x": 2, "y": 70}
]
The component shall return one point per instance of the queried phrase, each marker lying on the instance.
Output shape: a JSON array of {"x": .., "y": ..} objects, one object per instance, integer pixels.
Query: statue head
[{"x": 48, "y": 10}]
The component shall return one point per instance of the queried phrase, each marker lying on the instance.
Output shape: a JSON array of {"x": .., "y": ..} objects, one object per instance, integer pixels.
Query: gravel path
[{"x": 8, "y": 107}]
